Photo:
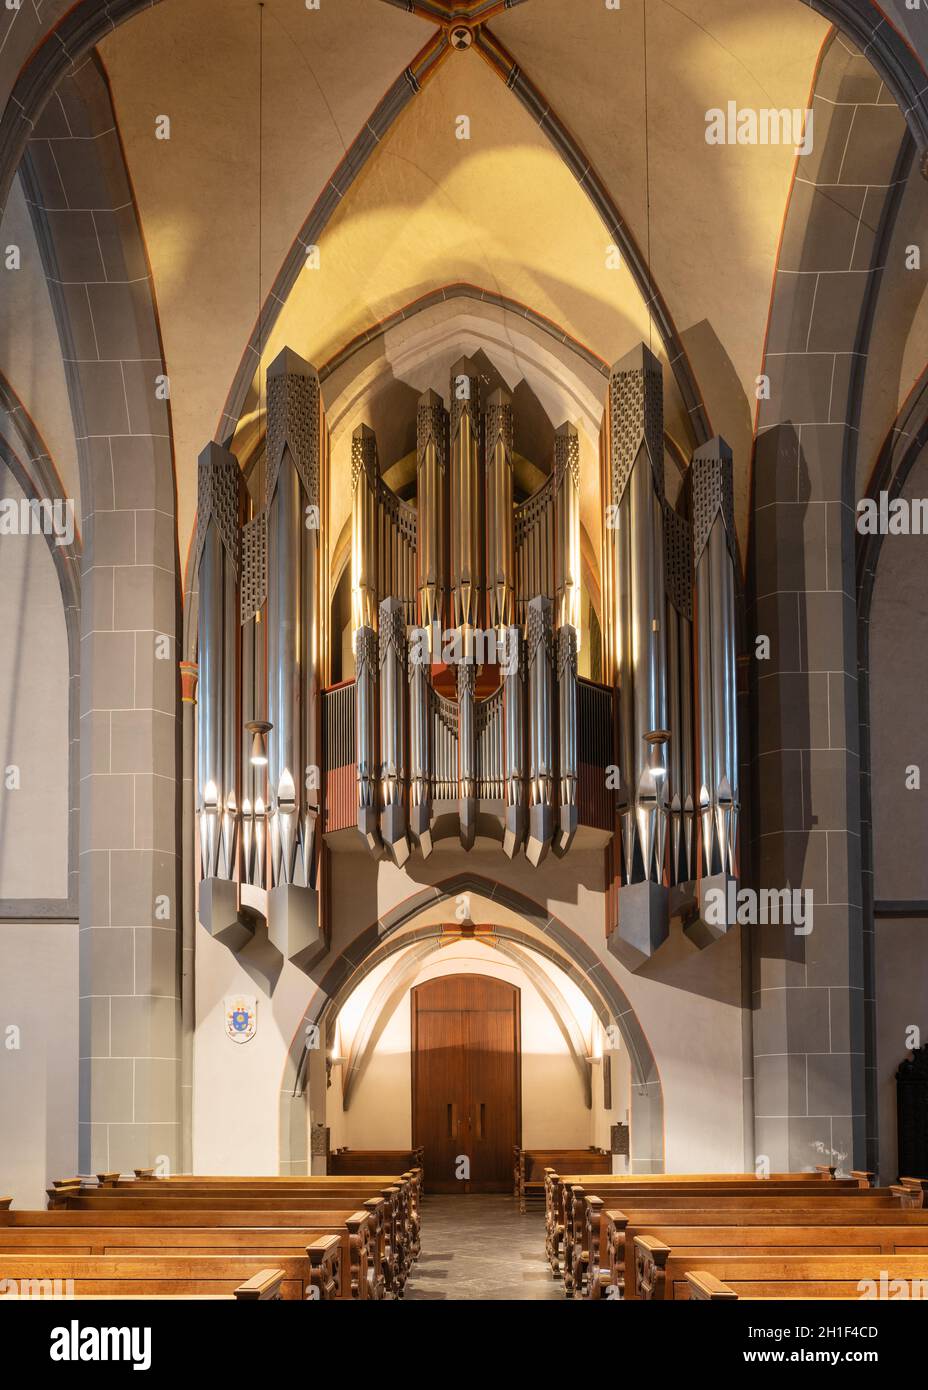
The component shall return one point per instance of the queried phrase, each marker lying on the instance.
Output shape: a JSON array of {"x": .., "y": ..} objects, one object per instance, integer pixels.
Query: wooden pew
[
  {"x": 746, "y": 1223},
  {"x": 555, "y": 1185},
  {"x": 693, "y": 1245},
  {"x": 359, "y": 1232},
  {"x": 395, "y": 1238},
  {"x": 565, "y": 1211},
  {"x": 153, "y": 1276},
  {"x": 408, "y": 1182},
  {"x": 665, "y": 1277},
  {"x": 362, "y": 1162},
  {"x": 334, "y": 1268},
  {"x": 530, "y": 1165}
]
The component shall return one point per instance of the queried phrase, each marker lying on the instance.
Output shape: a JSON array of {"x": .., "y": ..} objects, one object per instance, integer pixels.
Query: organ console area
[{"x": 466, "y": 722}]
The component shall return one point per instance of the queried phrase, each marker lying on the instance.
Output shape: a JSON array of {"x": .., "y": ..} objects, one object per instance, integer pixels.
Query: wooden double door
[{"x": 466, "y": 1081}]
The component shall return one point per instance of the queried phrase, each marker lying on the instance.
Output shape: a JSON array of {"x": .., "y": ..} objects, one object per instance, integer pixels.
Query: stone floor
[{"x": 479, "y": 1247}]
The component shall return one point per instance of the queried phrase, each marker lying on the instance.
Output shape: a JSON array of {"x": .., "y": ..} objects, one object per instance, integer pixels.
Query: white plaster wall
[
  {"x": 687, "y": 1001},
  {"x": 33, "y": 717},
  {"x": 236, "y": 1086},
  {"x": 38, "y": 1078}
]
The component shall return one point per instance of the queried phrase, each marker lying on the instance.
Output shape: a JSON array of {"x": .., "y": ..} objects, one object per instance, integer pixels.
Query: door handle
[{"x": 452, "y": 1120}]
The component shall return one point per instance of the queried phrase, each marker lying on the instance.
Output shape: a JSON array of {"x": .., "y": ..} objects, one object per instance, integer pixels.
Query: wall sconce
[{"x": 259, "y": 729}]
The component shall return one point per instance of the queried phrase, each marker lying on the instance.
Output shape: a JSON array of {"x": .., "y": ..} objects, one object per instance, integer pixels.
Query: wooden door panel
[
  {"x": 438, "y": 1101},
  {"x": 466, "y": 1080},
  {"x": 492, "y": 1088}
]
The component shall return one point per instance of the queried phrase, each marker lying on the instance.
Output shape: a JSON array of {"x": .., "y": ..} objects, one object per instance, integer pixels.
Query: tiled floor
[{"x": 479, "y": 1247}]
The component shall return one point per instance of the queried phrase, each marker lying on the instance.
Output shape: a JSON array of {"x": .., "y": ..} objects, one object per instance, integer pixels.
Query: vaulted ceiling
[{"x": 503, "y": 211}]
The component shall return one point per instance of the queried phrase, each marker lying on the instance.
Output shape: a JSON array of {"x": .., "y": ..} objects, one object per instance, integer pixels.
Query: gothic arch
[
  {"x": 36, "y": 474},
  {"x": 564, "y": 948}
]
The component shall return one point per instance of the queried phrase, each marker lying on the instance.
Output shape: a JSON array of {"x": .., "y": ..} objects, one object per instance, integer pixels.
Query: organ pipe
[
  {"x": 540, "y": 730},
  {"x": 514, "y": 742},
  {"x": 393, "y": 729},
  {"x": 714, "y": 552},
  {"x": 567, "y": 731},
  {"x": 465, "y": 528},
  {"x": 467, "y": 750},
  {"x": 420, "y": 791},
  {"x": 295, "y": 588},
  {"x": 499, "y": 518},
  {"x": 431, "y": 483},
  {"x": 637, "y": 496},
  {"x": 364, "y": 527},
  {"x": 366, "y": 666},
  {"x": 678, "y": 547},
  {"x": 218, "y": 566},
  {"x": 567, "y": 527}
]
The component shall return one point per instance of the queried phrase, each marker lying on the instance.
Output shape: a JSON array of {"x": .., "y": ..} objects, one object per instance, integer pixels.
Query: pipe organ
[
  {"x": 669, "y": 620},
  {"x": 466, "y": 717},
  {"x": 262, "y": 630},
  {"x": 490, "y": 691}
]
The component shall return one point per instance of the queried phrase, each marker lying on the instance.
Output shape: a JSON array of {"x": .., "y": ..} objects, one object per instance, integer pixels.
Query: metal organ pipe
[
  {"x": 499, "y": 511},
  {"x": 254, "y": 696},
  {"x": 366, "y": 666},
  {"x": 420, "y": 790},
  {"x": 295, "y": 593},
  {"x": 284, "y": 666},
  {"x": 514, "y": 741},
  {"x": 365, "y": 521},
  {"x": 678, "y": 546},
  {"x": 714, "y": 557},
  {"x": 567, "y": 527},
  {"x": 467, "y": 750},
  {"x": 637, "y": 494},
  {"x": 567, "y": 620},
  {"x": 567, "y": 729},
  {"x": 393, "y": 728},
  {"x": 540, "y": 730},
  {"x": 218, "y": 565},
  {"x": 466, "y": 537}
]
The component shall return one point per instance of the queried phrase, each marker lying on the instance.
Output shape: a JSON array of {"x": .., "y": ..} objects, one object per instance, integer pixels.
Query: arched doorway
[
  {"x": 466, "y": 1092},
  {"x": 556, "y": 943}
]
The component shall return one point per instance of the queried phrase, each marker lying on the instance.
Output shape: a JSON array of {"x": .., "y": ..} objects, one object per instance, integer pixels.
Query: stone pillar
[
  {"x": 129, "y": 1106},
  {"x": 808, "y": 996}
]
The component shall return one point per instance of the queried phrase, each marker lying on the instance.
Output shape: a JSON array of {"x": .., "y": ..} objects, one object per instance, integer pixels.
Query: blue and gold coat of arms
[{"x": 241, "y": 1017}]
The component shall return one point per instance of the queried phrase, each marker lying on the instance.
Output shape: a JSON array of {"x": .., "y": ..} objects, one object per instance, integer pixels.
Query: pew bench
[
  {"x": 529, "y": 1167},
  {"x": 240, "y": 1276},
  {"x": 556, "y": 1181},
  {"x": 333, "y": 1270},
  {"x": 611, "y": 1234},
  {"x": 665, "y": 1277},
  {"x": 403, "y": 1190},
  {"x": 386, "y": 1248},
  {"x": 565, "y": 1223},
  {"x": 654, "y": 1251},
  {"x": 363, "y": 1162}
]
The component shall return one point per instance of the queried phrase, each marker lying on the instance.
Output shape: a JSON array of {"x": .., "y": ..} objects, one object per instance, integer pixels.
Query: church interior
[{"x": 460, "y": 541}]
